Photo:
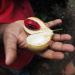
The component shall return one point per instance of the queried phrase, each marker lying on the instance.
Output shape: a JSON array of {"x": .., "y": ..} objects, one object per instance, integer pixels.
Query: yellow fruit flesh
[{"x": 38, "y": 42}]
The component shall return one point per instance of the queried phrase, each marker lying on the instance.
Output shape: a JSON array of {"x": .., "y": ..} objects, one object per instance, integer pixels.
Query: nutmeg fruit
[{"x": 39, "y": 34}]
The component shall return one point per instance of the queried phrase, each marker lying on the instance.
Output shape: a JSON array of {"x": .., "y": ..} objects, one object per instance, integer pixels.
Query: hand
[
  {"x": 14, "y": 34},
  {"x": 56, "y": 48}
]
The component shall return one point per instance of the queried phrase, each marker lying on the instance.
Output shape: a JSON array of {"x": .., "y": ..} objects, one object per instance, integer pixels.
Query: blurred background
[{"x": 48, "y": 10}]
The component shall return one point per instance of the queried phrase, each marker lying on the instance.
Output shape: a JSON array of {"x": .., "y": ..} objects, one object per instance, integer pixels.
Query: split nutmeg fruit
[{"x": 39, "y": 34}]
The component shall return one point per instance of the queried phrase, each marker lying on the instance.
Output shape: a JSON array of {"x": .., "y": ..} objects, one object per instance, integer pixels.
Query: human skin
[{"x": 14, "y": 34}]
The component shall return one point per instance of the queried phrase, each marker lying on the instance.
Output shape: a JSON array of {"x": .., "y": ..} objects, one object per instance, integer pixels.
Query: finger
[
  {"x": 50, "y": 54},
  {"x": 62, "y": 47},
  {"x": 62, "y": 37},
  {"x": 10, "y": 47},
  {"x": 54, "y": 23}
]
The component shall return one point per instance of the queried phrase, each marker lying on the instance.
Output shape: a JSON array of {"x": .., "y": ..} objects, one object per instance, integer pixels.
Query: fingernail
[
  {"x": 68, "y": 47},
  {"x": 7, "y": 61}
]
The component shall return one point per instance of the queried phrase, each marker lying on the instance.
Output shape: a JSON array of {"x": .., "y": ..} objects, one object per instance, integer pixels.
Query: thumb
[
  {"x": 22, "y": 39},
  {"x": 10, "y": 44}
]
